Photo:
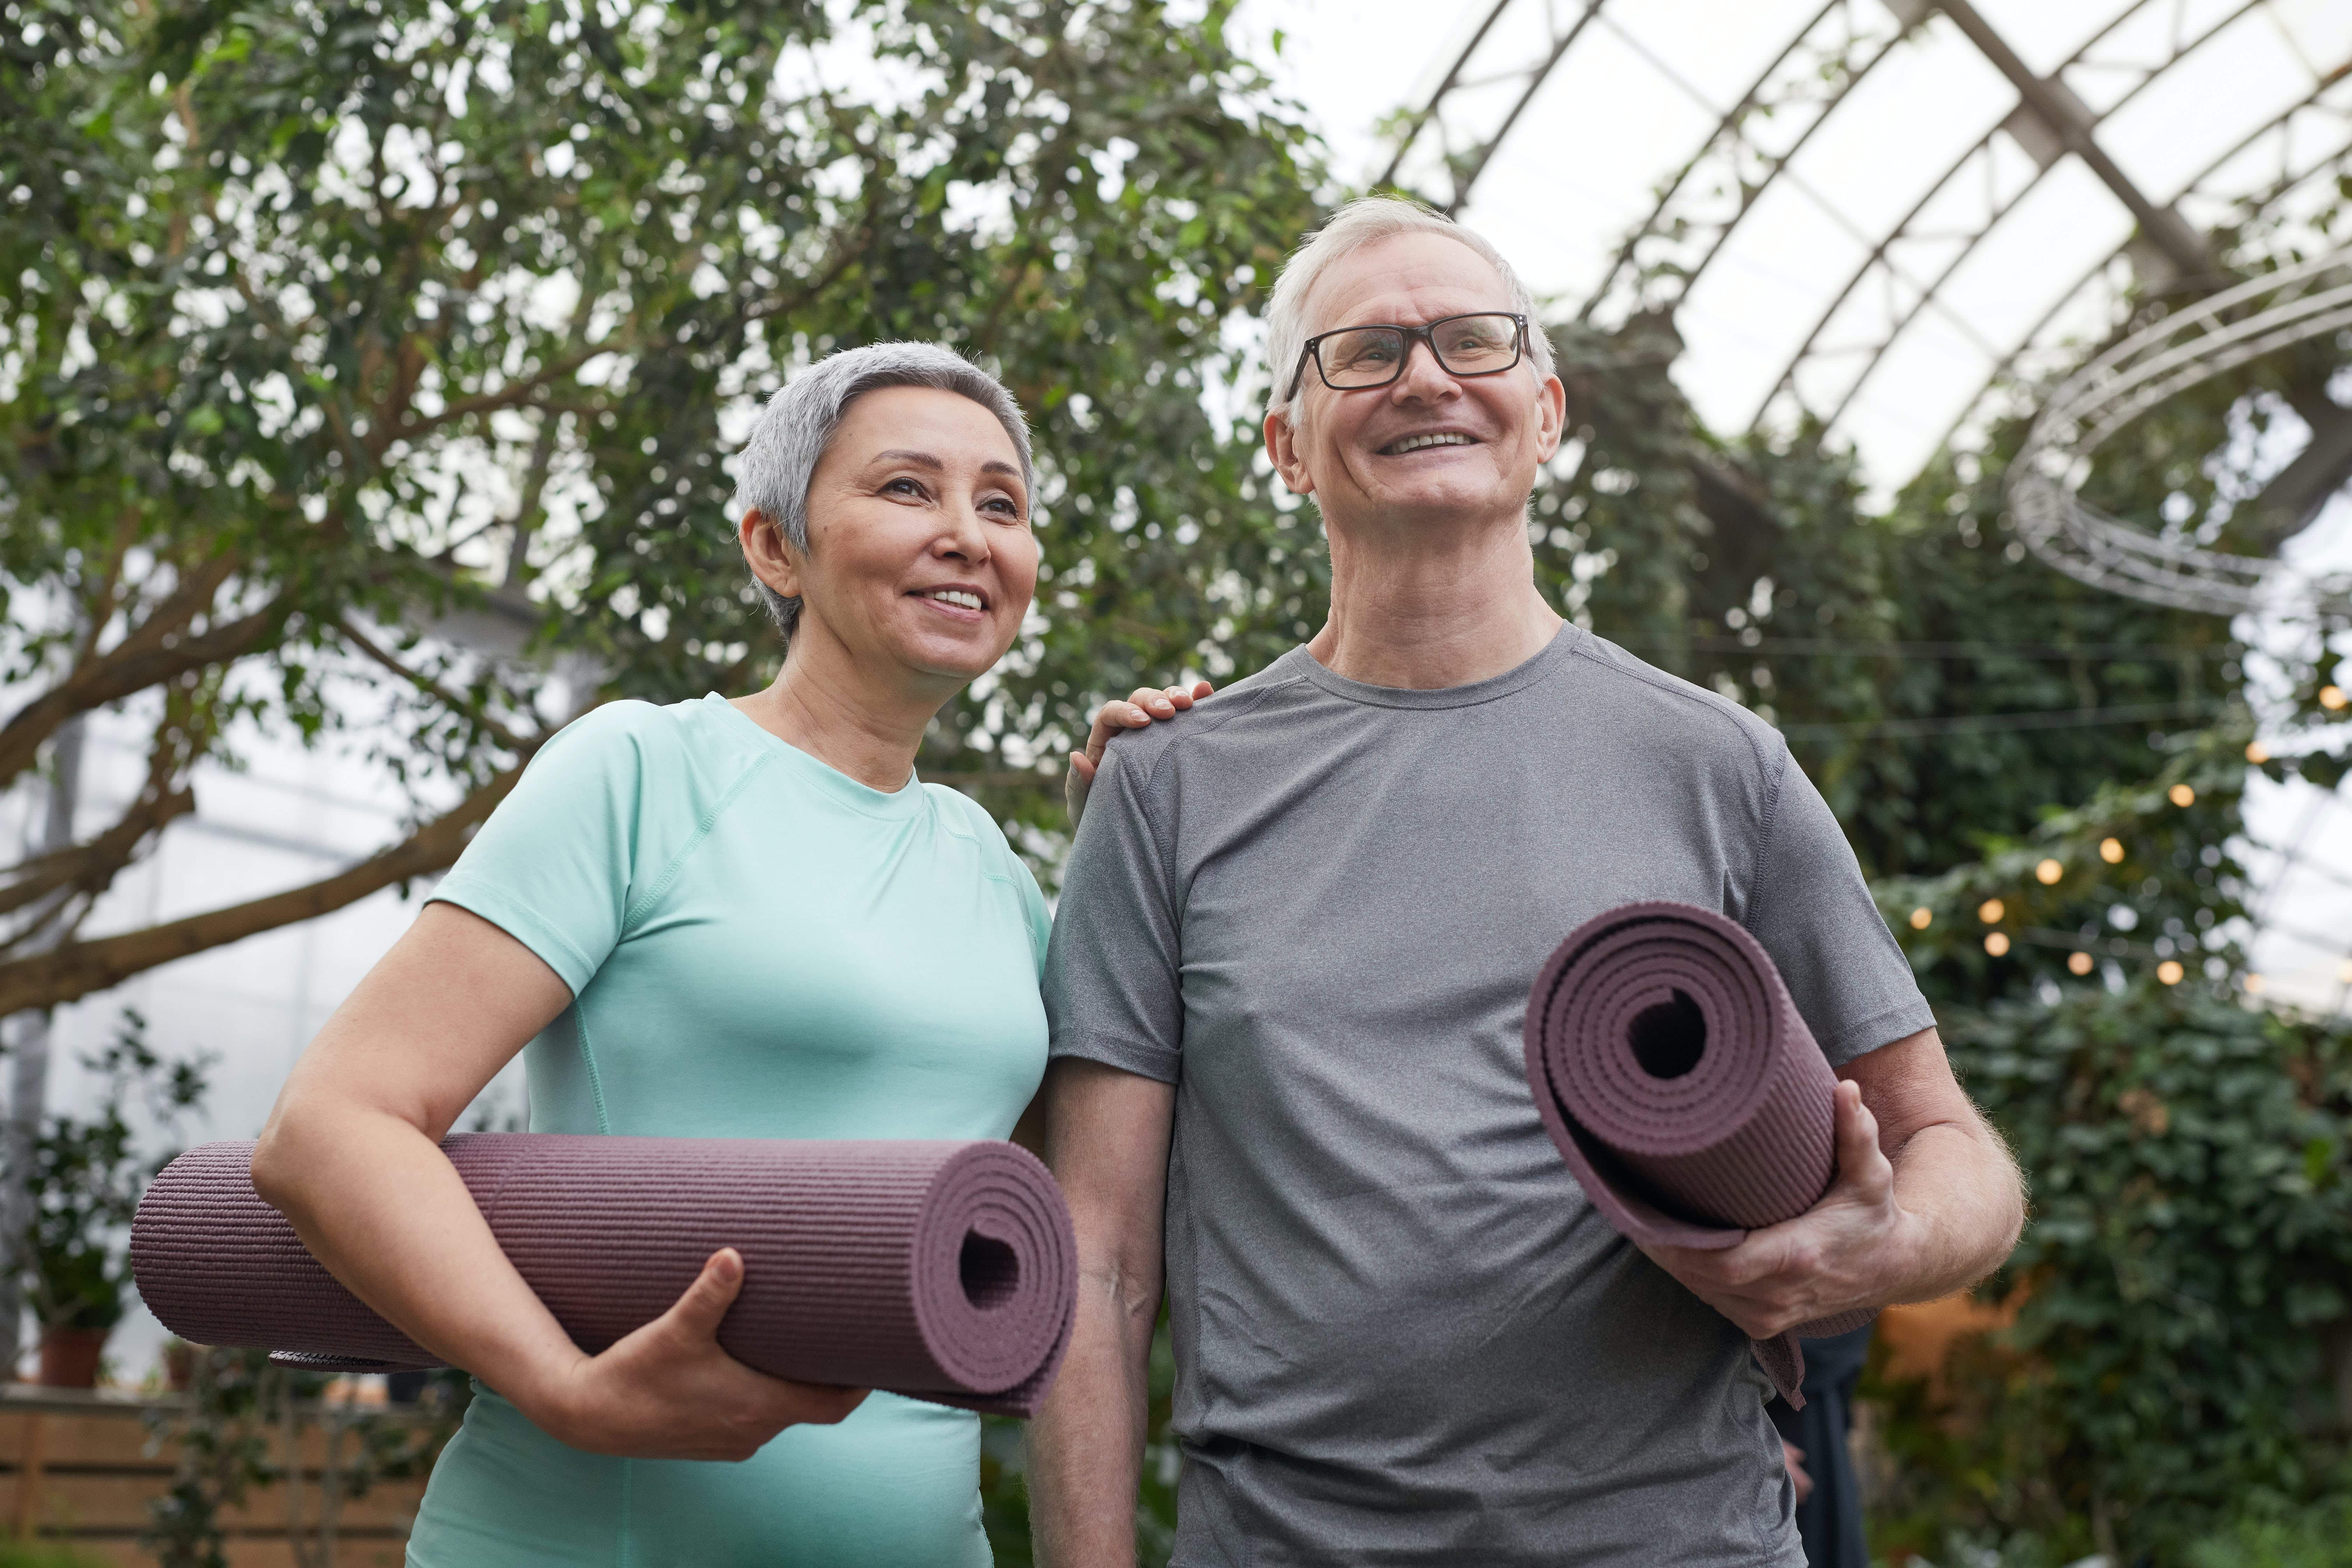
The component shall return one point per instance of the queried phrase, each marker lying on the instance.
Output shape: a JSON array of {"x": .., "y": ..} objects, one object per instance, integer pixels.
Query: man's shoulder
[
  {"x": 1198, "y": 727},
  {"x": 1641, "y": 698}
]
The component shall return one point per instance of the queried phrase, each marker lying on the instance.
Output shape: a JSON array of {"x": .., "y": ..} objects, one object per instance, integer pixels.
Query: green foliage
[
  {"x": 32, "y": 1554},
  {"x": 87, "y": 1179},
  {"x": 2319, "y": 1536},
  {"x": 2192, "y": 1237},
  {"x": 368, "y": 356},
  {"x": 241, "y": 1425}
]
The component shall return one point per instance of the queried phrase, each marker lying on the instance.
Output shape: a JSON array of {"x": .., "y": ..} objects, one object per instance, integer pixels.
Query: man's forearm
[
  {"x": 1086, "y": 1446},
  {"x": 1965, "y": 1201}
]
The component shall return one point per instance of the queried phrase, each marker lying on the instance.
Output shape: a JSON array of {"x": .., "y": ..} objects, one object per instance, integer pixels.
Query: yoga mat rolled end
[{"x": 1678, "y": 1082}]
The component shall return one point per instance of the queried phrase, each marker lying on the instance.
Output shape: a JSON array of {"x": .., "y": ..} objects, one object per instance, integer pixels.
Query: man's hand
[
  {"x": 1145, "y": 704},
  {"x": 1927, "y": 1202},
  {"x": 1852, "y": 1250}
]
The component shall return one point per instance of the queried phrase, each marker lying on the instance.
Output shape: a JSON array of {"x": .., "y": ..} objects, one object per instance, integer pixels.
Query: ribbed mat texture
[
  {"x": 946, "y": 1271},
  {"x": 1683, "y": 1090}
]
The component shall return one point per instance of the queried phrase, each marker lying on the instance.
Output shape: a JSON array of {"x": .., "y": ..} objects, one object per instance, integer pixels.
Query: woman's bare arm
[{"x": 352, "y": 1156}]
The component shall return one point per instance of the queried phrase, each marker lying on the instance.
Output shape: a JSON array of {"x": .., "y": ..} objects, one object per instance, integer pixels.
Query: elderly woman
[{"x": 720, "y": 918}]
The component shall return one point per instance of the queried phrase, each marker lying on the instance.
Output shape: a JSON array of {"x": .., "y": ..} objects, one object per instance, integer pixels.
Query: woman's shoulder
[{"x": 688, "y": 745}]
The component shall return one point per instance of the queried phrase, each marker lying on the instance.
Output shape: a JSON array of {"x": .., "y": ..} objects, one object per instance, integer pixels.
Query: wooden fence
[{"x": 81, "y": 1468}]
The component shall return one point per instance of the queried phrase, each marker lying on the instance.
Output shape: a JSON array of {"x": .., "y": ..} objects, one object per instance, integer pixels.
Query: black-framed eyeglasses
[{"x": 1355, "y": 359}]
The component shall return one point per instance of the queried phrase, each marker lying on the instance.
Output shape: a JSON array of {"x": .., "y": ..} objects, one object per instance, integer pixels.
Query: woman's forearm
[{"x": 381, "y": 1206}]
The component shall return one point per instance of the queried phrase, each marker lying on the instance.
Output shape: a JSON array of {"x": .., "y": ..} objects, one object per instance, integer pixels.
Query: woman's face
[{"x": 920, "y": 550}]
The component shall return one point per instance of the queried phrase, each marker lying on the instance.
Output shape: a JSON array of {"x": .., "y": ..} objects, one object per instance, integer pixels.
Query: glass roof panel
[
  {"x": 1820, "y": 270},
  {"x": 2214, "y": 97}
]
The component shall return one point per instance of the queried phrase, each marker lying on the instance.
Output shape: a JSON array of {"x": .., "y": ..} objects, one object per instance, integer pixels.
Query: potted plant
[{"x": 87, "y": 1179}]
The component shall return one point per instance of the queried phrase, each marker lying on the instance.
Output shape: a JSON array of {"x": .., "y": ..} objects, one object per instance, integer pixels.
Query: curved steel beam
[
  {"x": 1786, "y": 381},
  {"x": 1728, "y": 131},
  {"x": 2063, "y": 113},
  {"x": 1464, "y": 169},
  {"x": 2253, "y": 207}
]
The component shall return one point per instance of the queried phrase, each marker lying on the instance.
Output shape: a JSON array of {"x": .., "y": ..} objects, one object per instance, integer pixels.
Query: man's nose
[{"x": 1421, "y": 375}]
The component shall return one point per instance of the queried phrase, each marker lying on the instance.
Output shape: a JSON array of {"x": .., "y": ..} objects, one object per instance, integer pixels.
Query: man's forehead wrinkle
[{"x": 1472, "y": 276}]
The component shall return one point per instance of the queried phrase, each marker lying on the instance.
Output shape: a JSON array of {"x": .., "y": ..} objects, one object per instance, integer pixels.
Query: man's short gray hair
[
  {"x": 1361, "y": 223},
  {"x": 773, "y": 472}
]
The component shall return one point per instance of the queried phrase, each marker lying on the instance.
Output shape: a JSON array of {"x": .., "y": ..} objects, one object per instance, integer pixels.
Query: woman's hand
[
  {"x": 670, "y": 1392},
  {"x": 1147, "y": 703}
]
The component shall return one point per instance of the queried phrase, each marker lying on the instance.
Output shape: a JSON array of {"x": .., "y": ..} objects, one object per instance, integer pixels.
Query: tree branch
[
  {"x": 90, "y": 868},
  {"x": 138, "y": 662},
  {"x": 75, "y": 970},
  {"x": 430, "y": 687},
  {"x": 511, "y": 396}
]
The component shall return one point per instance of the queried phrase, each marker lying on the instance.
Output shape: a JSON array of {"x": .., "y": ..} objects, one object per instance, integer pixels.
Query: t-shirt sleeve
[
  {"x": 1113, "y": 990},
  {"x": 552, "y": 866},
  {"x": 1813, "y": 912}
]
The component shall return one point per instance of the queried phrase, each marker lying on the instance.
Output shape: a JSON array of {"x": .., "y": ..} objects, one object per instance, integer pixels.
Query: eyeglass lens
[{"x": 1465, "y": 345}]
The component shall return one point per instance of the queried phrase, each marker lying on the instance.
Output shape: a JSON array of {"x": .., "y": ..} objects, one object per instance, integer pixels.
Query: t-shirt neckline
[
  {"x": 1520, "y": 676},
  {"x": 858, "y": 796}
]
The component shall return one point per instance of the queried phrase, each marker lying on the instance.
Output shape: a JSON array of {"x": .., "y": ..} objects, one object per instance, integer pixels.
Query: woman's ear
[{"x": 764, "y": 551}]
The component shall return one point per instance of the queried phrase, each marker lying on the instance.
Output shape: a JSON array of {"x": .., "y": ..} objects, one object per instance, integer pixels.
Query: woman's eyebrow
[{"x": 919, "y": 460}]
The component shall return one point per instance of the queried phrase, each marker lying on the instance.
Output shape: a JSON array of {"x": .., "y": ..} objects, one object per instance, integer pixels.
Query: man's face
[{"x": 1347, "y": 449}]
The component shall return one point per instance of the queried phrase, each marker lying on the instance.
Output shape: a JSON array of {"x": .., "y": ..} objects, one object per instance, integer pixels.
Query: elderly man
[{"x": 1286, "y": 986}]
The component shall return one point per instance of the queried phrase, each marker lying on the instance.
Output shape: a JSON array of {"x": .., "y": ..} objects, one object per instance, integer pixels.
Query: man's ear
[
  {"x": 765, "y": 552},
  {"x": 1282, "y": 448},
  {"x": 1552, "y": 413}
]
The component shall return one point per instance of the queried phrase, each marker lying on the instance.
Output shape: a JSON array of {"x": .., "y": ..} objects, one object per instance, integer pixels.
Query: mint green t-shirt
[{"x": 758, "y": 947}]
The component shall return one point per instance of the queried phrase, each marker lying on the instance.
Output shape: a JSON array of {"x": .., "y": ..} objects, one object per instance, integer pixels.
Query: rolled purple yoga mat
[
  {"x": 1683, "y": 1090},
  {"x": 945, "y": 1271}
]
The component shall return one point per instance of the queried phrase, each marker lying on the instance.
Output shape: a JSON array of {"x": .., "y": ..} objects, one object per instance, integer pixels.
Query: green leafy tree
[
  {"x": 365, "y": 362},
  {"x": 86, "y": 1179}
]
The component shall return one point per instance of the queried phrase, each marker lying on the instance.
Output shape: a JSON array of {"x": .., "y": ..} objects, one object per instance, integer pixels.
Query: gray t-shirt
[{"x": 1402, "y": 1334}]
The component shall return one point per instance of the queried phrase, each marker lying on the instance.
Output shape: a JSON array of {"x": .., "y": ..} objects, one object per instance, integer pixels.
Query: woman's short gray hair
[
  {"x": 773, "y": 471},
  {"x": 1361, "y": 223}
]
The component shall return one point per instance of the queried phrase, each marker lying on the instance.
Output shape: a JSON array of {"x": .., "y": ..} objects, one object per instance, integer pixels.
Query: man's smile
[{"x": 1404, "y": 444}]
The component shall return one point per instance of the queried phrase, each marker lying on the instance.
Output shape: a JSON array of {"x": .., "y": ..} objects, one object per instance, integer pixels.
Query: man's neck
[
  {"x": 823, "y": 703},
  {"x": 1422, "y": 609}
]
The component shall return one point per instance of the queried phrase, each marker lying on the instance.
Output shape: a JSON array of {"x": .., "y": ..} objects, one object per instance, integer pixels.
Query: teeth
[
  {"x": 1415, "y": 443},
  {"x": 957, "y": 596}
]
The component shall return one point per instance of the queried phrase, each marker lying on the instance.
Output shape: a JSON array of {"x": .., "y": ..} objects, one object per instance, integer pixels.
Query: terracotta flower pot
[{"x": 69, "y": 1357}]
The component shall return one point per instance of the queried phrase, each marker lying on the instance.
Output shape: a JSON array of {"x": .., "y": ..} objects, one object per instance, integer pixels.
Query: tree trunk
[{"x": 28, "y": 1087}]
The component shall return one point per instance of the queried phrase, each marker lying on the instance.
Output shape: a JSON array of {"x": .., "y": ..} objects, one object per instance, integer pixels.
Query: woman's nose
[{"x": 964, "y": 533}]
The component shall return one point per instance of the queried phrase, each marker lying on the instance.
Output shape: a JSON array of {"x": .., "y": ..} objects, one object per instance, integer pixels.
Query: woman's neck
[{"x": 848, "y": 718}]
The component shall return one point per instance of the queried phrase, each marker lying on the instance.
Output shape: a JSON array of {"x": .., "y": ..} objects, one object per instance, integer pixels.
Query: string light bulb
[
  {"x": 2257, "y": 754},
  {"x": 2047, "y": 873},
  {"x": 1922, "y": 918},
  {"x": 2170, "y": 972},
  {"x": 1990, "y": 911},
  {"x": 2111, "y": 850},
  {"x": 2078, "y": 964},
  {"x": 2181, "y": 795},
  {"x": 1997, "y": 943},
  {"x": 2332, "y": 698}
]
